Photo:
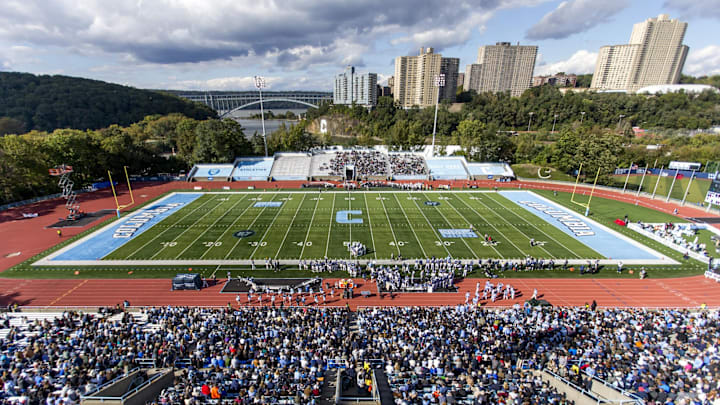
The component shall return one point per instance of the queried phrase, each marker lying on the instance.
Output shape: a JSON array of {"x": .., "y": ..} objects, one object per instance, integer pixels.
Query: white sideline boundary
[{"x": 47, "y": 260}]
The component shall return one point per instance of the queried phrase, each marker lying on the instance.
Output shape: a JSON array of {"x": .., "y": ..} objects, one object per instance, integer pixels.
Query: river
[{"x": 252, "y": 125}]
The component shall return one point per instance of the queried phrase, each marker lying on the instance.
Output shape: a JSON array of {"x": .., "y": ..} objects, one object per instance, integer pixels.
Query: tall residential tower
[
  {"x": 502, "y": 68},
  {"x": 655, "y": 55},
  {"x": 414, "y": 80},
  {"x": 353, "y": 88}
]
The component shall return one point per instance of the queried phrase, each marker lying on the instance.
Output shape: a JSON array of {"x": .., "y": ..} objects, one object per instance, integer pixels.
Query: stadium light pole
[
  {"x": 530, "y": 120},
  {"x": 260, "y": 84},
  {"x": 439, "y": 82},
  {"x": 554, "y": 120}
]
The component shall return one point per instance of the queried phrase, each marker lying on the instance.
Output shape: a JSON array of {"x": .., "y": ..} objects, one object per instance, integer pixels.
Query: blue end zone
[
  {"x": 592, "y": 234},
  {"x": 457, "y": 233},
  {"x": 103, "y": 242},
  {"x": 270, "y": 204}
]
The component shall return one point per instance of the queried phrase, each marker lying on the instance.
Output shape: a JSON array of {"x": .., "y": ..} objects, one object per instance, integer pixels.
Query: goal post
[
  {"x": 585, "y": 205},
  {"x": 112, "y": 186}
]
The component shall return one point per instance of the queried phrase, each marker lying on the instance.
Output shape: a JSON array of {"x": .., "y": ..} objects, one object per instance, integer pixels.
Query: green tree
[{"x": 219, "y": 141}]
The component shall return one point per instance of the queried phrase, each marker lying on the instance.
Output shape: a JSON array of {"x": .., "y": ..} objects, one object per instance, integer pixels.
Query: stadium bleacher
[
  {"x": 291, "y": 166},
  {"x": 211, "y": 172},
  {"x": 430, "y": 355},
  {"x": 482, "y": 171},
  {"x": 368, "y": 164},
  {"x": 252, "y": 168},
  {"x": 447, "y": 168},
  {"x": 407, "y": 166},
  {"x": 320, "y": 165}
]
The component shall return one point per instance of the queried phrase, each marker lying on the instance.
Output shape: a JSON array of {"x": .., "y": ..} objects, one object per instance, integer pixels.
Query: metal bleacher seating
[
  {"x": 447, "y": 168},
  {"x": 320, "y": 164},
  {"x": 291, "y": 166}
]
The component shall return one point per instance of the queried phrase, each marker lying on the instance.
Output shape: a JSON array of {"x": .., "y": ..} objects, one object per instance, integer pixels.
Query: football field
[{"x": 314, "y": 225}]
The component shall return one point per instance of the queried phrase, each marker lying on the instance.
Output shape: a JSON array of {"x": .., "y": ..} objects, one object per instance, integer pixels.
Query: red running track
[
  {"x": 23, "y": 238},
  {"x": 685, "y": 292}
]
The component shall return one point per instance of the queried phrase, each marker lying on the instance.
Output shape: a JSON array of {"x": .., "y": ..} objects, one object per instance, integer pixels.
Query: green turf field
[{"x": 305, "y": 227}]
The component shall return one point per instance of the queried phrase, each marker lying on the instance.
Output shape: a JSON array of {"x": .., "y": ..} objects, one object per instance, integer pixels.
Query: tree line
[{"x": 45, "y": 103}]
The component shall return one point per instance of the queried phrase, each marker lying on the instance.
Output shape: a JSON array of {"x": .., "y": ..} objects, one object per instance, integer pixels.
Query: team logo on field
[
  {"x": 432, "y": 203},
  {"x": 244, "y": 234}
]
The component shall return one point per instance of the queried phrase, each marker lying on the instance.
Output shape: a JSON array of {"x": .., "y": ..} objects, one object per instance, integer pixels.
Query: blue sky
[{"x": 302, "y": 44}]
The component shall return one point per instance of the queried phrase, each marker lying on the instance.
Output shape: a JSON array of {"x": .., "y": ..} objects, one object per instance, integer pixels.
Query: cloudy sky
[{"x": 301, "y": 44}]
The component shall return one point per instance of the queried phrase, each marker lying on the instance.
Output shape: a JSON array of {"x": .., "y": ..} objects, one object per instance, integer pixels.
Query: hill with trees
[{"x": 45, "y": 103}]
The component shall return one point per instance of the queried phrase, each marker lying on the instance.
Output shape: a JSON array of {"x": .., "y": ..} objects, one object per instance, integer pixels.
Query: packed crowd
[
  {"x": 665, "y": 356},
  {"x": 407, "y": 164},
  {"x": 366, "y": 163},
  {"x": 431, "y": 355}
]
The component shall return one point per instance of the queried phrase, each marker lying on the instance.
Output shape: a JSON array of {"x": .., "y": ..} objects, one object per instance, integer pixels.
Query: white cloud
[
  {"x": 695, "y": 8},
  {"x": 295, "y": 34},
  {"x": 581, "y": 62},
  {"x": 574, "y": 16},
  {"x": 703, "y": 62}
]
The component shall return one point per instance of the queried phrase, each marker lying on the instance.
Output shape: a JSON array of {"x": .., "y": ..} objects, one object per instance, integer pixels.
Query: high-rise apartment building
[
  {"x": 353, "y": 88},
  {"x": 449, "y": 67},
  {"x": 502, "y": 68},
  {"x": 414, "y": 79},
  {"x": 472, "y": 77},
  {"x": 655, "y": 55}
]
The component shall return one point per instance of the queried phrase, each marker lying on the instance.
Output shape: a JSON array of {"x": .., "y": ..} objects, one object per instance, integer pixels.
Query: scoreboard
[{"x": 713, "y": 194}]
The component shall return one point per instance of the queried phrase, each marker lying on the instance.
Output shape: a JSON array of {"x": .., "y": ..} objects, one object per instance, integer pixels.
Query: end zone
[{"x": 613, "y": 245}]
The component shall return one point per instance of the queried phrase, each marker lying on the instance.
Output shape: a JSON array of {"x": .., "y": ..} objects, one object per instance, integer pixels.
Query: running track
[{"x": 23, "y": 238}]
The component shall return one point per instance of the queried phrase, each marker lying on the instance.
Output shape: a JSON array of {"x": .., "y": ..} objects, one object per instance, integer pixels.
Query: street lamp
[
  {"x": 530, "y": 120},
  {"x": 439, "y": 82},
  {"x": 554, "y": 119},
  {"x": 582, "y": 116},
  {"x": 620, "y": 120},
  {"x": 260, "y": 84}
]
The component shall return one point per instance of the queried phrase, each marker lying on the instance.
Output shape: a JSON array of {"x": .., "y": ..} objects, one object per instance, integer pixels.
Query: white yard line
[
  {"x": 290, "y": 226},
  {"x": 168, "y": 228},
  {"x": 432, "y": 227},
  {"x": 249, "y": 227},
  {"x": 372, "y": 239},
  {"x": 229, "y": 227},
  {"x": 541, "y": 231},
  {"x": 493, "y": 226},
  {"x": 209, "y": 228},
  {"x": 190, "y": 227},
  {"x": 411, "y": 227},
  {"x": 332, "y": 211},
  {"x": 266, "y": 231},
  {"x": 317, "y": 202},
  {"x": 392, "y": 230},
  {"x": 466, "y": 220},
  {"x": 451, "y": 225}
]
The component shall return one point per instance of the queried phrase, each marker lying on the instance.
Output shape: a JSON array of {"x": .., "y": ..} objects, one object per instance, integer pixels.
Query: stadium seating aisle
[{"x": 430, "y": 355}]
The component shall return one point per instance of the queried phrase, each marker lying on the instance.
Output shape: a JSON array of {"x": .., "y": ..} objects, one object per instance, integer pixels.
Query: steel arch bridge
[{"x": 225, "y": 102}]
